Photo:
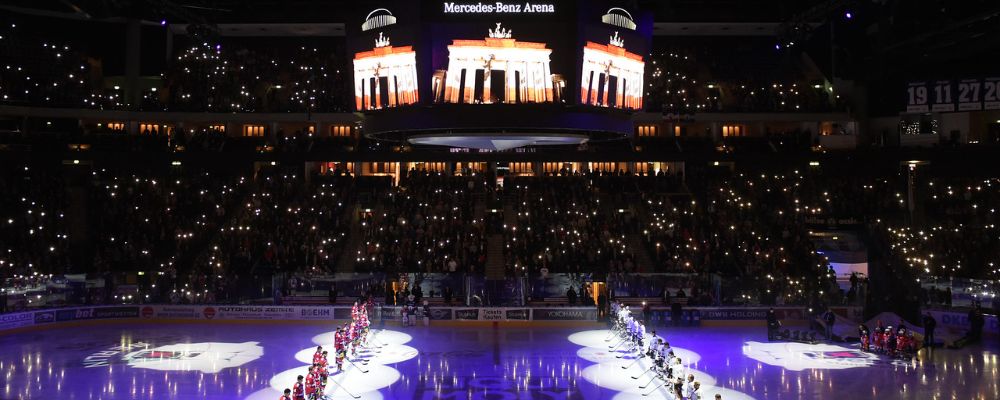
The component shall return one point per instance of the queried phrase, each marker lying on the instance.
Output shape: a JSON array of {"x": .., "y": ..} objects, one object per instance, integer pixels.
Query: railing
[
  {"x": 959, "y": 292},
  {"x": 463, "y": 289}
]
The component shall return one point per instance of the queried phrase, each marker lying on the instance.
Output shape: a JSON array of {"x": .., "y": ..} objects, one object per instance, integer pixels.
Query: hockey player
[
  {"x": 640, "y": 336},
  {"x": 298, "y": 390},
  {"x": 321, "y": 375},
  {"x": 340, "y": 346},
  {"x": 310, "y": 384},
  {"x": 689, "y": 387},
  {"x": 890, "y": 341},
  {"x": 696, "y": 394},
  {"x": 411, "y": 310},
  {"x": 660, "y": 355},
  {"x": 878, "y": 339},
  {"x": 863, "y": 334},
  {"x": 318, "y": 354},
  {"x": 323, "y": 371},
  {"x": 355, "y": 335},
  {"x": 364, "y": 323},
  {"x": 287, "y": 395},
  {"x": 317, "y": 382},
  {"x": 654, "y": 346},
  {"x": 677, "y": 370}
]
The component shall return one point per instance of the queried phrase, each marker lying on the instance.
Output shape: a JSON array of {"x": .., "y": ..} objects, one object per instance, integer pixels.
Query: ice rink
[{"x": 256, "y": 361}]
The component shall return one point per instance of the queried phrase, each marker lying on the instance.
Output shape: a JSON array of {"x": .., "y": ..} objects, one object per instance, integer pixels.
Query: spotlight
[{"x": 848, "y": 15}]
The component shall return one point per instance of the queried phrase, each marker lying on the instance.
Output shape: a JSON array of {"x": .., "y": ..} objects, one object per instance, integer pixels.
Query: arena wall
[{"x": 71, "y": 316}]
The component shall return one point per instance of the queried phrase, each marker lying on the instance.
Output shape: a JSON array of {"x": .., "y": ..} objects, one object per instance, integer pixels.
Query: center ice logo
[
  {"x": 208, "y": 357},
  {"x": 799, "y": 356}
]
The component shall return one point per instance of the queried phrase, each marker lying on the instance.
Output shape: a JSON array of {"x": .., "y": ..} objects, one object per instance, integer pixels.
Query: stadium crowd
[
  {"x": 560, "y": 225},
  {"x": 429, "y": 223},
  {"x": 716, "y": 237}
]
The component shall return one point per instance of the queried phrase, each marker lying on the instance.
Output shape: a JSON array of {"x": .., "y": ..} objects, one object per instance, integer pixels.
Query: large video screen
[
  {"x": 382, "y": 41},
  {"x": 572, "y": 52},
  {"x": 615, "y": 44},
  {"x": 500, "y": 52}
]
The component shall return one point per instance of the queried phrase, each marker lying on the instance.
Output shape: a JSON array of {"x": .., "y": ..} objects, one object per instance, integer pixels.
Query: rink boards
[{"x": 692, "y": 316}]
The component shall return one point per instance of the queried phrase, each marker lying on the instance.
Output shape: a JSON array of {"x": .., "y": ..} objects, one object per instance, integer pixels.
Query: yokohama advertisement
[{"x": 564, "y": 314}]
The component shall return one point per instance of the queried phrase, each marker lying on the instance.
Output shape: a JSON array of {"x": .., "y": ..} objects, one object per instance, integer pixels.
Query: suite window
[
  {"x": 340, "y": 130},
  {"x": 253, "y": 130}
]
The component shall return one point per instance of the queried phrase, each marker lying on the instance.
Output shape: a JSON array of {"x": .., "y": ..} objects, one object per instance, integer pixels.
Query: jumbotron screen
[
  {"x": 589, "y": 53},
  {"x": 383, "y": 40}
]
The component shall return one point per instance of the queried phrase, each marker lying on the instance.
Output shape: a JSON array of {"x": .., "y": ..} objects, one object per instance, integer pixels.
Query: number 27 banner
[{"x": 953, "y": 95}]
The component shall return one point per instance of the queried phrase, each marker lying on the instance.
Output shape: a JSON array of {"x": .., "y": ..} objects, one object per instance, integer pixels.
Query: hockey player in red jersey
[
  {"x": 286, "y": 396},
  {"x": 298, "y": 389},
  {"x": 317, "y": 355},
  {"x": 317, "y": 382},
  {"x": 340, "y": 345},
  {"x": 323, "y": 371},
  {"x": 311, "y": 384}
]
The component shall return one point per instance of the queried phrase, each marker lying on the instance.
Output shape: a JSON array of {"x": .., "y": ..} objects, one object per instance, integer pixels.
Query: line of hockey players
[
  {"x": 885, "y": 340},
  {"x": 665, "y": 370},
  {"x": 348, "y": 339}
]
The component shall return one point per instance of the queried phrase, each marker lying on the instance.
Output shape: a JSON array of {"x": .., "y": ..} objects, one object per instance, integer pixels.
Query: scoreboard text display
[{"x": 953, "y": 95}]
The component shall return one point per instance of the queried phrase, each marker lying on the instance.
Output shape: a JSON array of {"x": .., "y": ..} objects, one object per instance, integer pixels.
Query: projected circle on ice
[
  {"x": 387, "y": 348},
  {"x": 595, "y": 348},
  {"x": 357, "y": 382},
  {"x": 618, "y": 370}
]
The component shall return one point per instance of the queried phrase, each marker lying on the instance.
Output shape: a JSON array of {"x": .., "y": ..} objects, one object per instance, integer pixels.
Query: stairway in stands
[
  {"x": 349, "y": 257},
  {"x": 643, "y": 262},
  {"x": 495, "y": 259},
  {"x": 355, "y": 234}
]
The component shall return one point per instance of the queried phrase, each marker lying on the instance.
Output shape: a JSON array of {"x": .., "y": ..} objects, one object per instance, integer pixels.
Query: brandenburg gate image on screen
[
  {"x": 612, "y": 77},
  {"x": 498, "y": 69},
  {"x": 385, "y": 76}
]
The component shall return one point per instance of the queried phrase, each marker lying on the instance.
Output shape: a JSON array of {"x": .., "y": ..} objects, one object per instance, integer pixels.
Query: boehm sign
[{"x": 498, "y": 7}]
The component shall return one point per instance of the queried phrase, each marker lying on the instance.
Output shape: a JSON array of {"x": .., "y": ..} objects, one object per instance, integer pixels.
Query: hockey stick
[
  {"x": 339, "y": 386},
  {"x": 377, "y": 342},
  {"x": 364, "y": 371},
  {"x": 627, "y": 351},
  {"x": 650, "y": 382},
  {"x": 632, "y": 363},
  {"x": 611, "y": 335},
  {"x": 654, "y": 389},
  {"x": 644, "y": 372}
]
